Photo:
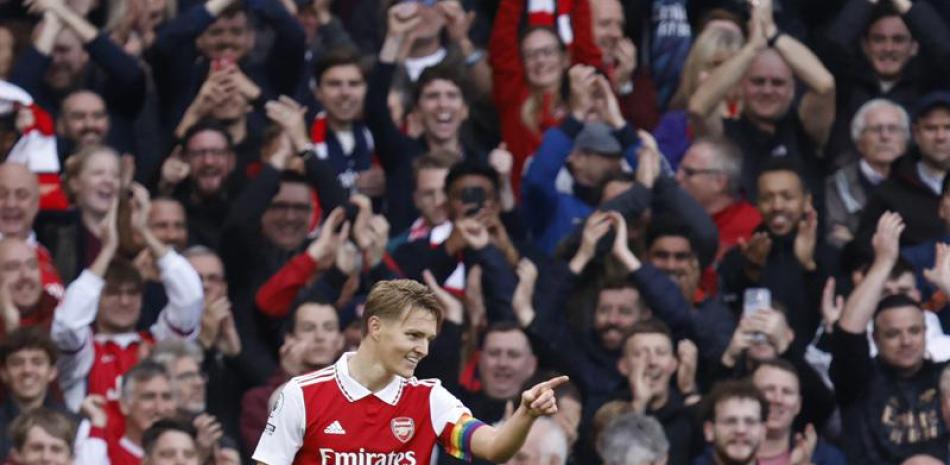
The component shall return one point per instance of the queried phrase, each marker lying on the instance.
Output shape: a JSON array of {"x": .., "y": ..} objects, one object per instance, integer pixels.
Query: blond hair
[
  {"x": 390, "y": 300},
  {"x": 77, "y": 161},
  {"x": 712, "y": 43}
]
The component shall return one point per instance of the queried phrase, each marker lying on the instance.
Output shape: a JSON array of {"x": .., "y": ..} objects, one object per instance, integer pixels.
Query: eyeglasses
[
  {"x": 882, "y": 129},
  {"x": 543, "y": 52},
  {"x": 690, "y": 172}
]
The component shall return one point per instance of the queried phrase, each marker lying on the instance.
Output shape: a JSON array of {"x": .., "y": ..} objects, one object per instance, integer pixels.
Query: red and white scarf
[
  {"x": 36, "y": 147},
  {"x": 553, "y": 13}
]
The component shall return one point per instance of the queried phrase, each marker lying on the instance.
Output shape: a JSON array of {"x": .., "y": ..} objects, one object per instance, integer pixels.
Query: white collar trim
[{"x": 354, "y": 391}]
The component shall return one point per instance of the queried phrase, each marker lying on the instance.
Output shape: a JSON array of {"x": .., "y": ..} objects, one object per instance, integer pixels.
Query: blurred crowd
[{"x": 725, "y": 220}]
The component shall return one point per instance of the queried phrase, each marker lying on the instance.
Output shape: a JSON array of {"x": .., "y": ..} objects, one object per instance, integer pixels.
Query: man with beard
[
  {"x": 23, "y": 299},
  {"x": 670, "y": 248},
  {"x": 785, "y": 255},
  {"x": 778, "y": 382},
  {"x": 83, "y": 122},
  {"x": 19, "y": 205},
  {"x": 880, "y": 130},
  {"x": 916, "y": 179},
  {"x": 899, "y": 383},
  {"x": 313, "y": 342},
  {"x": 202, "y": 178},
  {"x": 734, "y": 424},
  {"x": 903, "y": 54},
  {"x": 769, "y": 127},
  {"x": 649, "y": 362},
  {"x": 71, "y": 53},
  {"x": 217, "y": 37}
]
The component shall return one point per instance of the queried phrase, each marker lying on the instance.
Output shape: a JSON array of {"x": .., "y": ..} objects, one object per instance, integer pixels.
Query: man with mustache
[
  {"x": 71, "y": 53},
  {"x": 916, "y": 181},
  {"x": 735, "y": 424},
  {"x": 785, "y": 255},
  {"x": 880, "y": 131},
  {"x": 892, "y": 49},
  {"x": 83, "y": 121}
]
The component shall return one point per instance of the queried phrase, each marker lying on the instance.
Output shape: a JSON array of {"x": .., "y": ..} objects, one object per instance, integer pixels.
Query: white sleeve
[
  {"x": 444, "y": 408},
  {"x": 286, "y": 425},
  {"x": 182, "y": 316},
  {"x": 71, "y": 331},
  {"x": 90, "y": 450}
]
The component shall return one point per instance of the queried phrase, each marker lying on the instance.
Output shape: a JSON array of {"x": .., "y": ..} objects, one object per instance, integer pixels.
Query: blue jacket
[
  {"x": 552, "y": 215},
  {"x": 922, "y": 257}
]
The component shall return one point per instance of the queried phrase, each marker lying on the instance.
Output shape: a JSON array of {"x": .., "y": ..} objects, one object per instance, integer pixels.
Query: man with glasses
[
  {"x": 200, "y": 177},
  {"x": 734, "y": 424},
  {"x": 711, "y": 172},
  {"x": 904, "y": 50},
  {"x": 94, "y": 326},
  {"x": 880, "y": 131},
  {"x": 916, "y": 179}
]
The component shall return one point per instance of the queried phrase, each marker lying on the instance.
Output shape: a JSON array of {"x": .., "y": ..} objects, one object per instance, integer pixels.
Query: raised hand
[
  {"x": 522, "y": 302},
  {"x": 473, "y": 232},
  {"x": 540, "y": 400},
  {"x": 831, "y": 305},
  {"x": 756, "y": 250},
  {"x": 688, "y": 355},
  {"x": 621, "y": 249},
  {"x": 457, "y": 20},
  {"x": 333, "y": 233},
  {"x": 8, "y": 310},
  {"x": 886, "y": 240},
  {"x": 402, "y": 19},
  {"x": 93, "y": 407},
  {"x": 501, "y": 160},
  {"x": 595, "y": 227},
  {"x": 641, "y": 385},
  {"x": 209, "y": 432},
  {"x": 648, "y": 160},
  {"x": 174, "y": 171},
  {"x": 625, "y": 57},
  {"x": 804, "y": 446},
  {"x": 805, "y": 239},
  {"x": 141, "y": 204},
  {"x": 582, "y": 79},
  {"x": 453, "y": 309},
  {"x": 939, "y": 275},
  {"x": 772, "y": 324},
  {"x": 610, "y": 113},
  {"x": 289, "y": 115}
]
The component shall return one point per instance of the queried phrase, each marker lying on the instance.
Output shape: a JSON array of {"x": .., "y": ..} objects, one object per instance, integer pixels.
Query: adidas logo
[{"x": 334, "y": 428}]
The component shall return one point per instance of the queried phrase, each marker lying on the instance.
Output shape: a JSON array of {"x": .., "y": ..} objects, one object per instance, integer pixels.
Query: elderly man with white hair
[
  {"x": 880, "y": 130},
  {"x": 633, "y": 439},
  {"x": 546, "y": 444}
]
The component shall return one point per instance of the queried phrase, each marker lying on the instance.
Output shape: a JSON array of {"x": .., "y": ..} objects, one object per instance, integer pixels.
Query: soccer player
[{"x": 368, "y": 409}]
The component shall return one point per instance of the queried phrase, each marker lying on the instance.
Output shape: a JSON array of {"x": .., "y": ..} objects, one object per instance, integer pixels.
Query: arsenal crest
[{"x": 403, "y": 428}]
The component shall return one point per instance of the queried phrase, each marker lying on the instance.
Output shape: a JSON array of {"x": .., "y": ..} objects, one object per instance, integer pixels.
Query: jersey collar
[{"x": 355, "y": 391}]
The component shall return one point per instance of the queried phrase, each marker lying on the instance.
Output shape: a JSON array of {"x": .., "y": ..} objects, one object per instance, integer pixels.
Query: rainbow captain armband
[{"x": 458, "y": 443}]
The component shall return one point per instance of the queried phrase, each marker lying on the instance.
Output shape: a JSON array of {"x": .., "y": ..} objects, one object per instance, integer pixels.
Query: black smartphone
[{"x": 474, "y": 199}]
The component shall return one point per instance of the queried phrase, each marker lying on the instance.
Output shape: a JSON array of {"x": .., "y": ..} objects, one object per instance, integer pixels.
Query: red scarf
[{"x": 553, "y": 13}]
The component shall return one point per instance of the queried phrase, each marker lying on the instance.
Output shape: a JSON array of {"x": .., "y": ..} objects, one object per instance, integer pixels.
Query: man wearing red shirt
[{"x": 367, "y": 408}]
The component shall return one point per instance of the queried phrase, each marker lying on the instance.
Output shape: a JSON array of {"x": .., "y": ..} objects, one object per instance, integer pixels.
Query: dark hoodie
[
  {"x": 888, "y": 418},
  {"x": 904, "y": 192}
]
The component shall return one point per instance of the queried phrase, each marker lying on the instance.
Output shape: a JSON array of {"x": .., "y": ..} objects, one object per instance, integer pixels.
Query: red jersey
[{"x": 328, "y": 418}]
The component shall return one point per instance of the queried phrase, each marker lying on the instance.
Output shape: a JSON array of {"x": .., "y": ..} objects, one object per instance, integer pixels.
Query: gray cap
[{"x": 598, "y": 138}]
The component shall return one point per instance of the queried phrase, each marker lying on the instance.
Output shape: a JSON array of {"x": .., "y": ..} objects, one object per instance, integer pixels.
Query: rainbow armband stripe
[{"x": 459, "y": 444}]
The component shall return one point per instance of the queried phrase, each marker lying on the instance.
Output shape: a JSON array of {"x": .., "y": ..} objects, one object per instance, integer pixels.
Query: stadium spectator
[
  {"x": 169, "y": 442},
  {"x": 711, "y": 171},
  {"x": 83, "y": 121},
  {"x": 880, "y": 130},
  {"x": 546, "y": 444},
  {"x": 633, "y": 439},
  {"x": 505, "y": 362},
  {"x": 24, "y": 301},
  {"x": 43, "y": 437},
  {"x": 768, "y": 127},
  {"x": 862, "y": 382},
  {"x": 916, "y": 179}
]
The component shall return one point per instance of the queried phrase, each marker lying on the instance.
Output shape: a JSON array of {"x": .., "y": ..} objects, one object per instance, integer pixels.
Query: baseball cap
[
  {"x": 597, "y": 137},
  {"x": 940, "y": 98}
]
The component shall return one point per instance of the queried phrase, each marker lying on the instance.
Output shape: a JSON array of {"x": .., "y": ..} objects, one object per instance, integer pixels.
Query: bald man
[
  {"x": 23, "y": 299},
  {"x": 19, "y": 204}
]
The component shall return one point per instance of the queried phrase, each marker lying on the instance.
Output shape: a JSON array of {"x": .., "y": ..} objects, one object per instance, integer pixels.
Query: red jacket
[{"x": 509, "y": 87}]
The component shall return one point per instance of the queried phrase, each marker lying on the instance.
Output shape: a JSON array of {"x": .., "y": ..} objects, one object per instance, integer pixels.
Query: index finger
[{"x": 554, "y": 382}]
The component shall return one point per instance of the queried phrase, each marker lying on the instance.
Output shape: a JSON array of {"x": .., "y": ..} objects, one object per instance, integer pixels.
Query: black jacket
[
  {"x": 904, "y": 193},
  {"x": 887, "y": 418}
]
